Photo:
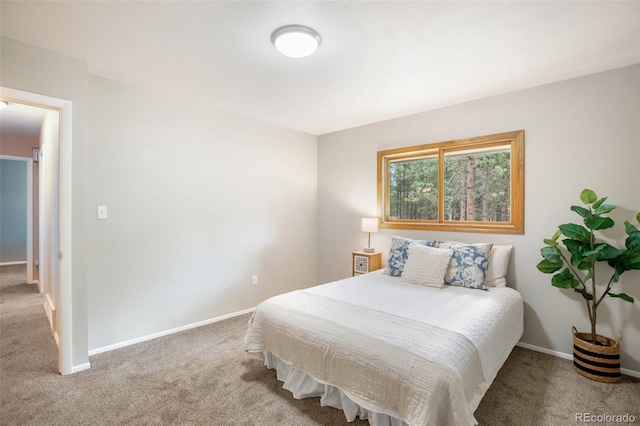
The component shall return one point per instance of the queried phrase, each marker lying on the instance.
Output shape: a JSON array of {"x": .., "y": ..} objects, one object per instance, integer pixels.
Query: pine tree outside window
[{"x": 471, "y": 185}]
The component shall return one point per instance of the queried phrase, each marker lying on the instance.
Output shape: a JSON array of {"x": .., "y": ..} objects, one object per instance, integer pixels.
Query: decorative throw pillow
[
  {"x": 498, "y": 265},
  {"x": 399, "y": 252},
  {"x": 468, "y": 266},
  {"x": 426, "y": 265}
]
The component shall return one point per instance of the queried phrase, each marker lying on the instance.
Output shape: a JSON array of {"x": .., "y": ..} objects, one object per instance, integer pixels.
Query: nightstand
[{"x": 362, "y": 263}]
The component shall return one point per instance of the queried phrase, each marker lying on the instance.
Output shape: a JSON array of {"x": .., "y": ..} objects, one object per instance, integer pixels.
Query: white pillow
[
  {"x": 426, "y": 265},
  {"x": 498, "y": 264}
]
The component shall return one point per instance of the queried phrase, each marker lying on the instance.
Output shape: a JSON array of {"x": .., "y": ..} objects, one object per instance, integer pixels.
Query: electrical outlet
[
  {"x": 102, "y": 212},
  {"x": 255, "y": 280}
]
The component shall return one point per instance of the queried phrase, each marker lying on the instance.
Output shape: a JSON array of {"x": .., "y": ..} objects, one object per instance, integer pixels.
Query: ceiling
[
  {"x": 22, "y": 120},
  {"x": 378, "y": 60}
]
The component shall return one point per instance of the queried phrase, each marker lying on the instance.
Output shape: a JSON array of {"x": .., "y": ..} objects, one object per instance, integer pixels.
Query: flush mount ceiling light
[{"x": 296, "y": 41}]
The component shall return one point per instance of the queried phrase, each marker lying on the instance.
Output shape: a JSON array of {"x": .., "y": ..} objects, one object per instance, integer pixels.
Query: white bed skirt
[{"x": 301, "y": 385}]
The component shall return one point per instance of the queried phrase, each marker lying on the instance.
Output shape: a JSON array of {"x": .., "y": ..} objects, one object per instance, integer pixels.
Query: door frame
[{"x": 65, "y": 252}]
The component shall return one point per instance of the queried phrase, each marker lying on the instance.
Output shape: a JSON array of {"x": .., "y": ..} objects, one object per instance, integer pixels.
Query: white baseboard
[
  {"x": 167, "y": 332},
  {"x": 21, "y": 262},
  {"x": 80, "y": 367},
  {"x": 545, "y": 351},
  {"x": 50, "y": 311},
  {"x": 558, "y": 354}
]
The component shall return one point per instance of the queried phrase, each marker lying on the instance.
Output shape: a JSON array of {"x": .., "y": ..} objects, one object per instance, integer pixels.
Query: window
[{"x": 472, "y": 185}]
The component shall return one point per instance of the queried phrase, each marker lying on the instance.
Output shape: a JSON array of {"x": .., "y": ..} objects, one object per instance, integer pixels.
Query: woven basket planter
[{"x": 600, "y": 362}]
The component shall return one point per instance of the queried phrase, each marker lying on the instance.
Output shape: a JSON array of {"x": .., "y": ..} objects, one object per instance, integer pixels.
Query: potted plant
[{"x": 574, "y": 262}]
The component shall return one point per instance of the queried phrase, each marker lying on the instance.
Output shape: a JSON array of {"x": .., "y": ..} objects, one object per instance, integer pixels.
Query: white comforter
[{"x": 422, "y": 355}]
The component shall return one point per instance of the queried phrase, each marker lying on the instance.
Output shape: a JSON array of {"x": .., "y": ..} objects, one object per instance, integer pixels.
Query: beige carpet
[{"x": 202, "y": 377}]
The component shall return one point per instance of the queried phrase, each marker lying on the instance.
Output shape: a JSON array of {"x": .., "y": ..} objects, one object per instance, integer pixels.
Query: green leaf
[
  {"x": 581, "y": 211},
  {"x": 633, "y": 241},
  {"x": 608, "y": 252},
  {"x": 576, "y": 248},
  {"x": 554, "y": 239},
  {"x": 587, "y": 196},
  {"x": 565, "y": 279},
  {"x": 552, "y": 254},
  {"x": 631, "y": 260},
  {"x": 598, "y": 223},
  {"x": 590, "y": 257},
  {"x": 547, "y": 267},
  {"x": 575, "y": 232},
  {"x": 622, "y": 296},
  {"x": 629, "y": 228},
  {"x": 605, "y": 208},
  {"x": 596, "y": 249},
  {"x": 638, "y": 217},
  {"x": 628, "y": 260},
  {"x": 587, "y": 262},
  {"x": 599, "y": 202}
]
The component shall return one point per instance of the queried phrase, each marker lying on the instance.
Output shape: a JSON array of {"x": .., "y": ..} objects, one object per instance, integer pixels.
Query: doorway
[
  {"x": 17, "y": 213},
  {"x": 58, "y": 214}
]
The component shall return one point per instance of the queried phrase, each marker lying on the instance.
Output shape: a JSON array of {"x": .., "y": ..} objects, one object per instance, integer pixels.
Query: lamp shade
[{"x": 369, "y": 224}]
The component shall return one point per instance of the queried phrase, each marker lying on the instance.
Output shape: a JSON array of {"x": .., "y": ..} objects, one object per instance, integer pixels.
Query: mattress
[{"x": 410, "y": 354}]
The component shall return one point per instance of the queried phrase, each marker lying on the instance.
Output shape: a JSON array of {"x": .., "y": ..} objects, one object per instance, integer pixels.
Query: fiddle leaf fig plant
[{"x": 573, "y": 259}]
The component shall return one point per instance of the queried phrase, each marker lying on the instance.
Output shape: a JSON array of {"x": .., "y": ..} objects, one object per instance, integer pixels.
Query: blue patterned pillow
[
  {"x": 468, "y": 266},
  {"x": 399, "y": 253}
]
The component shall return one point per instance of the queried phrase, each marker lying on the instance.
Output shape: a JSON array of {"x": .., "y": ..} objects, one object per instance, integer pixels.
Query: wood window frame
[{"x": 516, "y": 226}]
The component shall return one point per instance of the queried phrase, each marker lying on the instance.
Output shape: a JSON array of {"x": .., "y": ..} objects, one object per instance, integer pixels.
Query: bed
[{"x": 383, "y": 348}]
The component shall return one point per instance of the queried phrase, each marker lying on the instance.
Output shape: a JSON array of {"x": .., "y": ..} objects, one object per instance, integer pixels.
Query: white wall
[
  {"x": 199, "y": 200},
  {"x": 578, "y": 133}
]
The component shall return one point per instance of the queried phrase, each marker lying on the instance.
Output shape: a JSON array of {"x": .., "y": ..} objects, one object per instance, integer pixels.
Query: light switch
[{"x": 102, "y": 212}]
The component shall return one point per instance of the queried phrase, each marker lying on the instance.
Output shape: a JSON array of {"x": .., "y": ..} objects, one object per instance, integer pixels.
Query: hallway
[
  {"x": 27, "y": 347},
  {"x": 26, "y": 341}
]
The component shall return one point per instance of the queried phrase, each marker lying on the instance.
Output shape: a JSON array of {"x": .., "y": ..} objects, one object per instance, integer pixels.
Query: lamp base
[{"x": 369, "y": 250}]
